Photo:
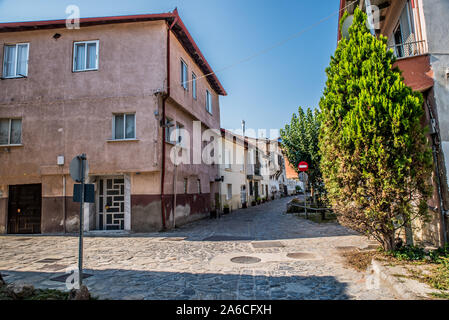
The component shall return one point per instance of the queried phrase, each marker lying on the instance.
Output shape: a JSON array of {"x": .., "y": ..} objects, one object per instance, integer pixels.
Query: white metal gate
[{"x": 111, "y": 203}]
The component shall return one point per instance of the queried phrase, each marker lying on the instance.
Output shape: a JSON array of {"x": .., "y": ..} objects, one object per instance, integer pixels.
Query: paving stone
[{"x": 179, "y": 264}]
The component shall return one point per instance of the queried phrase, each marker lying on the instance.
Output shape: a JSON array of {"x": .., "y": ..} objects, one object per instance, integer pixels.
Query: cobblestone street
[{"x": 293, "y": 258}]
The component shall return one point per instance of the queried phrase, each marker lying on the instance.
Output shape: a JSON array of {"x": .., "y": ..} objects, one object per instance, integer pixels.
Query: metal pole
[
  {"x": 305, "y": 200},
  {"x": 80, "y": 252}
]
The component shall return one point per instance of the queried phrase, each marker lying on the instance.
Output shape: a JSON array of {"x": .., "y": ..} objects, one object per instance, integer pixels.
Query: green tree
[
  {"x": 300, "y": 143},
  {"x": 376, "y": 161}
]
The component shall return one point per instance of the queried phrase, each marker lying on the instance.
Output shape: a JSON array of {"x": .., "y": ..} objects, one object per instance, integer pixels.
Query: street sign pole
[
  {"x": 82, "y": 158},
  {"x": 305, "y": 201},
  {"x": 303, "y": 167}
]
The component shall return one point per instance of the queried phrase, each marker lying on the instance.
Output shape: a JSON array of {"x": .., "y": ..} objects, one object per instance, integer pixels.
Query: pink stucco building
[{"x": 103, "y": 89}]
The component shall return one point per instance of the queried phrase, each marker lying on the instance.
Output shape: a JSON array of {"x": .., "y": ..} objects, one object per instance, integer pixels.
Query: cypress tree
[
  {"x": 300, "y": 143},
  {"x": 375, "y": 159}
]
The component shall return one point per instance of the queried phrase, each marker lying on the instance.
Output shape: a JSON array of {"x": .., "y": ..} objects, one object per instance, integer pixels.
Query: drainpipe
[
  {"x": 245, "y": 156},
  {"x": 175, "y": 180},
  {"x": 443, "y": 235},
  {"x": 163, "y": 122},
  {"x": 64, "y": 211}
]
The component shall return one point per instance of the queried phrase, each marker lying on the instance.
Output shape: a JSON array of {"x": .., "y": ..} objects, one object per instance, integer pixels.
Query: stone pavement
[{"x": 274, "y": 256}]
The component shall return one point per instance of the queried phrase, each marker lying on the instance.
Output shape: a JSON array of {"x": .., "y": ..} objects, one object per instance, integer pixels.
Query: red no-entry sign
[{"x": 303, "y": 166}]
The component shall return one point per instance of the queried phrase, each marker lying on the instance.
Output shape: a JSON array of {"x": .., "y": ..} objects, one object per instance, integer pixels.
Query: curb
[{"x": 404, "y": 288}]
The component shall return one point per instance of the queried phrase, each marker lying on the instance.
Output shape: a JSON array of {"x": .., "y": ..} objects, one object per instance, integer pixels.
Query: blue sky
[{"x": 263, "y": 91}]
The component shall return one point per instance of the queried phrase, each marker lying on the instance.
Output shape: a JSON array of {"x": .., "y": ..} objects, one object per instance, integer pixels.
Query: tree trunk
[
  {"x": 313, "y": 194},
  {"x": 408, "y": 234},
  {"x": 388, "y": 242}
]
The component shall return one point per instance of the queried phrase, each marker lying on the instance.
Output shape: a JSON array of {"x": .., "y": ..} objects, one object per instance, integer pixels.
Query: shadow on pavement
[{"x": 134, "y": 284}]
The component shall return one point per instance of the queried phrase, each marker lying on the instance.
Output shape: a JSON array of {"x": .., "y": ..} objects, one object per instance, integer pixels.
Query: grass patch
[
  {"x": 48, "y": 294},
  {"x": 431, "y": 268},
  {"x": 38, "y": 294},
  {"x": 440, "y": 295},
  {"x": 436, "y": 263},
  {"x": 359, "y": 260}
]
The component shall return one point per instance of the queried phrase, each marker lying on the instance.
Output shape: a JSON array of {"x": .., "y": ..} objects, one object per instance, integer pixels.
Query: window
[
  {"x": 199, "y": 186},
  {"x": 229, "y": 193},
  {"x": 184, "y": 77},
  {"x": 227, "y": 159},
  {"x": 208, "y": 102},
  {"x": 194, "y": 86},
  {"x": 240, "y": 159},
  {"x": 403, "y": 35},
  {"x": 10, "y": 131},
  {"x": 15, "y": 60},
  {"x": 185, "y": 185},
  {"x": 85, "y": 56},
  {"x": 179, "y": 135},
  {"x": 124, "y": 126},
  {"x": 169, "y": 127}
]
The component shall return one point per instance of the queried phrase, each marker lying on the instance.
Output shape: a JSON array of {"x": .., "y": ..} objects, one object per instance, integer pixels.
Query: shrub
[{"x": 375, "y": 159}]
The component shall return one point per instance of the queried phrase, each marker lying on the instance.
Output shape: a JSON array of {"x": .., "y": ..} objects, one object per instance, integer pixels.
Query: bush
[
  {"x": 439, "y": 255},
  {"x": 410, "y": 253}
]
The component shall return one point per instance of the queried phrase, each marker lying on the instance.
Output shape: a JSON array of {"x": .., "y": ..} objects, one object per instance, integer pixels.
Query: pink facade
[{"x": 65, "y": 113}]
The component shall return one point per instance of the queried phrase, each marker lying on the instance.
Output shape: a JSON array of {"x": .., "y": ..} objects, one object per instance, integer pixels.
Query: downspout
[
  {"x": 175, "y": 179},
  {"x": 443, "y": 235},
  {"x": 340, "y": 14},
  {"x": 166, "y": 96},
  {"x": 418, "y": 18},
  {"x": 245, "y": 164},
  {"x": 64, "y": 209}
]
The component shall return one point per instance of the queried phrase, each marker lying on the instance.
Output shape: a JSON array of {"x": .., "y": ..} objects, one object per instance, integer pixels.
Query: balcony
[
  {"x": 409, "y": 49},
  {"x": 414, "y": 62}
]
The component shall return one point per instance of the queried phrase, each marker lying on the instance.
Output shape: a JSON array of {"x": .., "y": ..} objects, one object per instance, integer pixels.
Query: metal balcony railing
[{"x": 409, "y": 49}]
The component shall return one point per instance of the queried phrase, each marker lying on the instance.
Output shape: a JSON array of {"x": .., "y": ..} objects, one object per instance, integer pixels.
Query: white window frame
[
  {"x": 209, "y": 101},
  {"x": 9, "y": 132},
  {"x": 194, "y": 85},
  {"x": 169, "y": 130},
  {"x": 228, "y": 197},
  {"x": 124, "y": 126},
  {"x": 184, "y": 82},
  {"x": 15, "y": 60},
  {"x": 228, "y": 161},
  {"x": 97, "y": 42},
  {"x": 181, "y": 143}
]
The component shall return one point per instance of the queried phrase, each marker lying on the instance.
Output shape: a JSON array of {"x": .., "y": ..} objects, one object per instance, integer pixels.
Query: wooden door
[{"x": 24, "y": 208}]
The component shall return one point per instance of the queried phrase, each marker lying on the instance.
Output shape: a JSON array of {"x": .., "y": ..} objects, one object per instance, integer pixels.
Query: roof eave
[{"x": 194, "y": 51}]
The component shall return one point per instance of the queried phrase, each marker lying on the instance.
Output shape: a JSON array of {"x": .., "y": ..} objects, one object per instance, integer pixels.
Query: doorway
[
  {"x": 24, "y": 209},
  {"x": 111, "y": 204},
  {"x": 256, "y": 190}
]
